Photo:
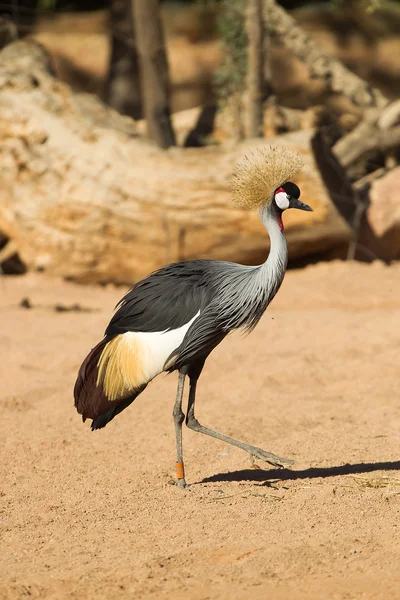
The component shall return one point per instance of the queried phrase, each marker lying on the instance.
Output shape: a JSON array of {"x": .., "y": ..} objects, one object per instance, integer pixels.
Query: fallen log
[
  {"x": 379, "y": 131},
  {"x": 97, "y": 205}
]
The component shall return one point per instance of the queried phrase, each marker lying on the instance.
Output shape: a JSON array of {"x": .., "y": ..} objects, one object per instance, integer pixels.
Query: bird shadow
[{"x": 263, "y": 475}]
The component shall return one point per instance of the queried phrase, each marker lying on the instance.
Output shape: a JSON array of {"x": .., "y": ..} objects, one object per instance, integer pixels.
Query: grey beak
[{"x": 295, "y": 203}]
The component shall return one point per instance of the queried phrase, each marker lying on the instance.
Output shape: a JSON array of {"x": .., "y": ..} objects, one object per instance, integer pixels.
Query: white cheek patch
[{"x": 282, "y": 200}]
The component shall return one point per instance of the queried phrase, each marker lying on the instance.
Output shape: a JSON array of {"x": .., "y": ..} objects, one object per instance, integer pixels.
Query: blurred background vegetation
[{"x": 85, "y": 5}]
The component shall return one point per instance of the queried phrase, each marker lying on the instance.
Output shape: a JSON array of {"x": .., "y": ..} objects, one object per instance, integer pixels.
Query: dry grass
[{"x": 377, "y": 482}]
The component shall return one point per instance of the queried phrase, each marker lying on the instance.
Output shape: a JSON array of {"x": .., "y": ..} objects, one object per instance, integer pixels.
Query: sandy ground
[{"x": 94, "y": 515}]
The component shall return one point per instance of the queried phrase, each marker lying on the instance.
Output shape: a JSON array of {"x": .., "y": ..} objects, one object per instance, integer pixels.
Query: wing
[
  {"x": 166, "y": 300},
  {"x": 205, "y": 333},
  {"x": 156, "y": 310},
  {"x": 90, "y": 400}
]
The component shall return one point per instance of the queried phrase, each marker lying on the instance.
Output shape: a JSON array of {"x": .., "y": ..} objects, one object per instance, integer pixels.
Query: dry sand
[{"x": 94, "y": 515}]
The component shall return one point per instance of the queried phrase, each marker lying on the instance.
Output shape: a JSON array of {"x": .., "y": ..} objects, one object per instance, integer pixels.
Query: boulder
[
  {"x": 94, "y": 204},
  {"x": 380, "y": 232}
]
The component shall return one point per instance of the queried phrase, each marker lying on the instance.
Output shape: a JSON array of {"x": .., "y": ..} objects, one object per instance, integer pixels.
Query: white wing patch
[
  {"x": 156, "y": 346},
  {"x": 282, "y": 200},
  {"x": 132, "y": 359}
]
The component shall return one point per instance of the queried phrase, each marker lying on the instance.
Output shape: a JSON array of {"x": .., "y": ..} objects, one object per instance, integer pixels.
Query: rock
[
  {"x": 380, "y": 232},
  {"x": 98, "y": 205}
]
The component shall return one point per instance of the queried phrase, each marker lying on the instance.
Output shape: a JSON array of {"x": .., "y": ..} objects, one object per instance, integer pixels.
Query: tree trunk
[
  {"x": 122, "y": 89},
  {"x": 153, "y": 71},
  {"x": 255, "y": 68}
]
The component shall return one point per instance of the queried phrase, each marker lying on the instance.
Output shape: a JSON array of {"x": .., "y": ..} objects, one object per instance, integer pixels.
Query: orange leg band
[{"x": 180, "y": 471}]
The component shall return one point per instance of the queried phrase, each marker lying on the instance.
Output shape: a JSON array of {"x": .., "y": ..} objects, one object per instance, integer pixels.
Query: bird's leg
[
  {"x": 179, "y": 417},
  {"x": 253, "y": 451}
]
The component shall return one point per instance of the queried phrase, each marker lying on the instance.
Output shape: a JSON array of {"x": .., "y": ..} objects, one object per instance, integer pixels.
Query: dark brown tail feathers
[{"x": 90, "y": 400}]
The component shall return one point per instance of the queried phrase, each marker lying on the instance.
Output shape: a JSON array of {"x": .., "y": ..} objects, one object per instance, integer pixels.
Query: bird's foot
[
  {"x": 180, "y": 475},
  {"x": 181, "y": 483},
  {"x": 268, "y": 457}
]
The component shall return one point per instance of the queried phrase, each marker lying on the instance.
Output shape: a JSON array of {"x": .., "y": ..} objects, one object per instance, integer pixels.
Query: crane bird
[{"x": 173, "y": 319}]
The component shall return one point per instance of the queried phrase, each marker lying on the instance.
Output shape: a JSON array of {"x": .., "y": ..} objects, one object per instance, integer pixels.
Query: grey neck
[
  {"x": 273, "y": 270},
  {"x": 245, "y": 292}
]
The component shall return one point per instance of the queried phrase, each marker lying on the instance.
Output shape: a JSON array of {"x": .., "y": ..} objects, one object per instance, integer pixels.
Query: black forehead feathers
[{"x": 291, "y": 189}]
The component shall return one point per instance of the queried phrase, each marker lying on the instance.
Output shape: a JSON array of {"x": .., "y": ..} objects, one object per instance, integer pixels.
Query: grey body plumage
[
  {"x": 226, "y": 295},
  {"x": 203, "y": 299}
]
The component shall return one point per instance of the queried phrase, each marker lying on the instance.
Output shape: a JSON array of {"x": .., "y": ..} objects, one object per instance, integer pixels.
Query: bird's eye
[{"x": 282, "y": 200}]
